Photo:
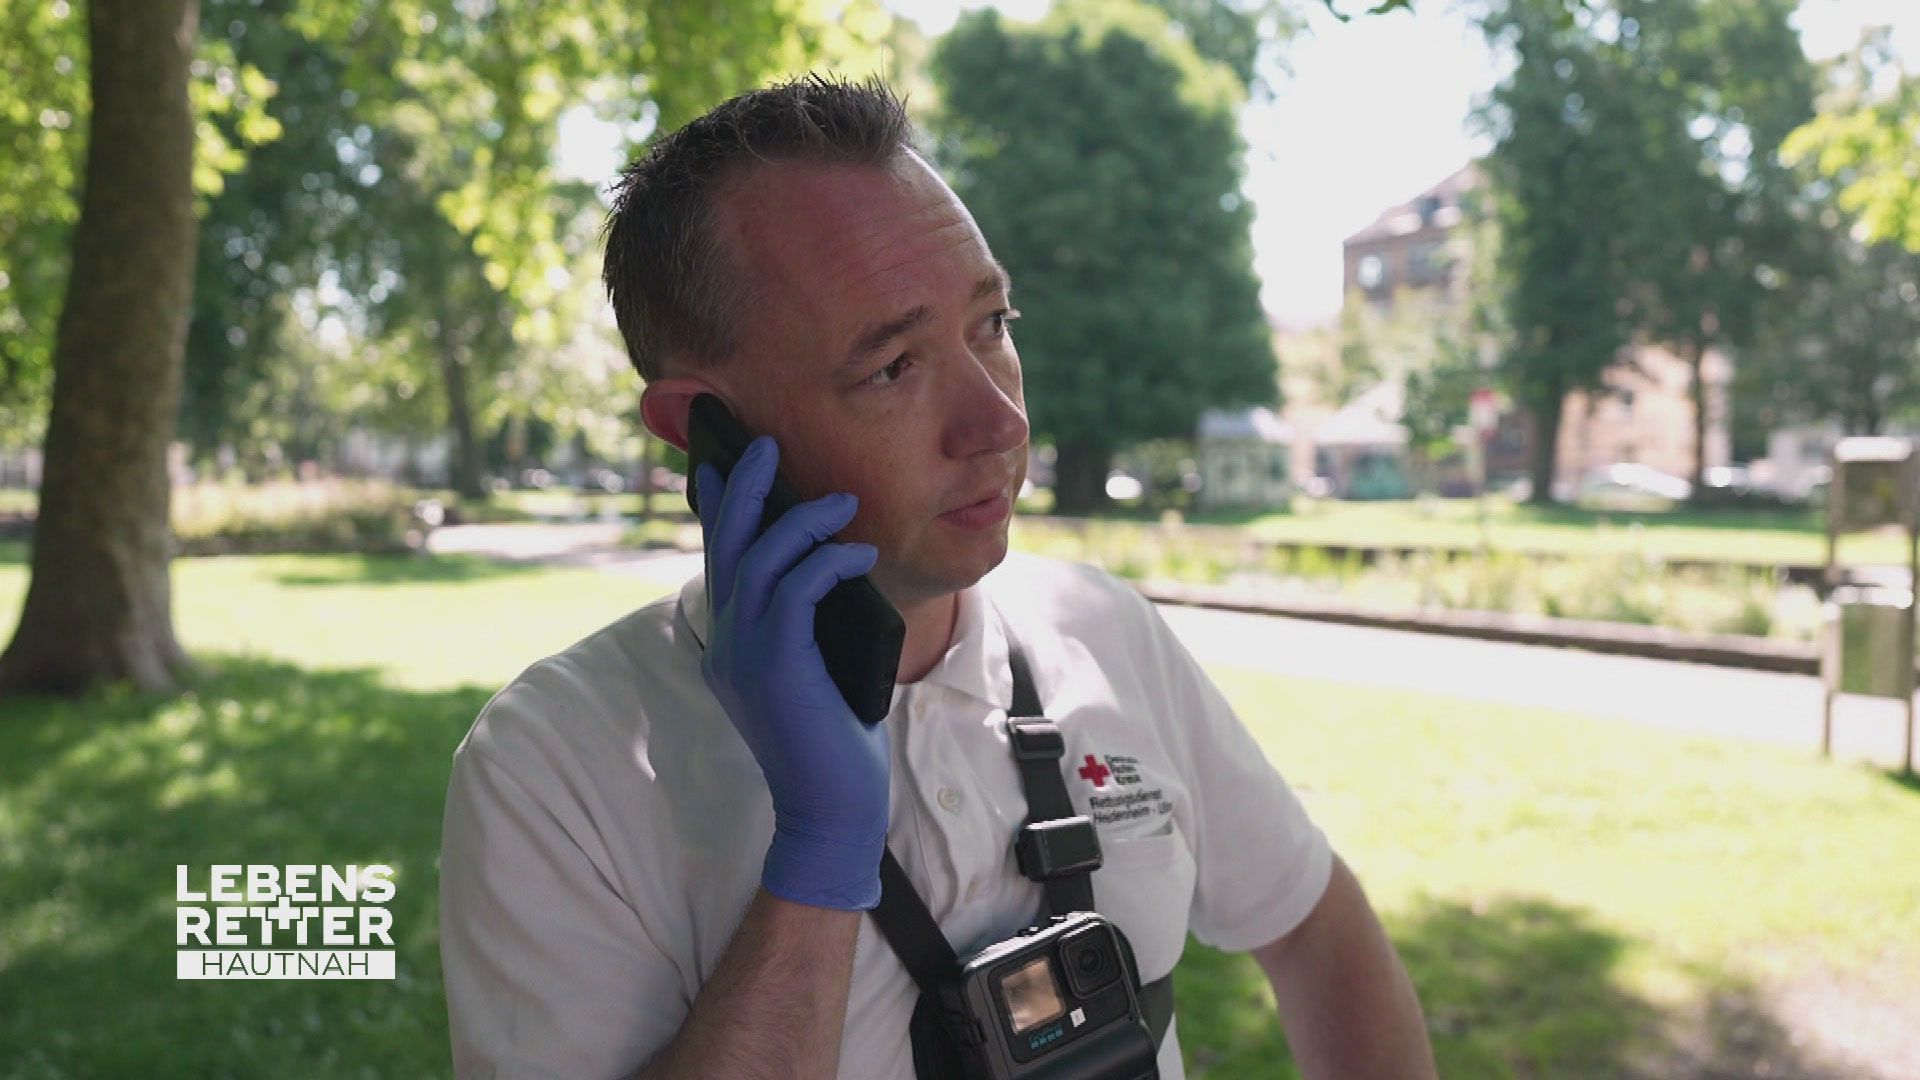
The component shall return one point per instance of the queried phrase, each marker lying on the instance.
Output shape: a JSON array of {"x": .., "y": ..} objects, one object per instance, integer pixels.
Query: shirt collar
[{"x": 975, "y": 662}]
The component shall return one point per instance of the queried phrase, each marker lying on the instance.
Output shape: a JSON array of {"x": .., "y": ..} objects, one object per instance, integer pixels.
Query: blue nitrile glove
[{"x": 827, "y": 770}]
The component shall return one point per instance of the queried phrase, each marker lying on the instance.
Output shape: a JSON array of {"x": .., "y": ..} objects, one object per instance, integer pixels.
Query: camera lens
[
  {"x": 1090, "y": 963},
  {"x": 1089, "y": 960}
]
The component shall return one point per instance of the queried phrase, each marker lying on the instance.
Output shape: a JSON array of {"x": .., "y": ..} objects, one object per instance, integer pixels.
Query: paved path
[{"x": 1692, "y": 698}]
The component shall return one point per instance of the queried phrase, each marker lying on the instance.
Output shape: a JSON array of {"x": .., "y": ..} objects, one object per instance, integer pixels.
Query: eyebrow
[{"x": 875, "y": 338}]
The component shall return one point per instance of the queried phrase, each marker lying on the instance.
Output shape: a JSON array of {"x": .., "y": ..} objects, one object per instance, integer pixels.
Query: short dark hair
[{"x": 676, "y": 290}]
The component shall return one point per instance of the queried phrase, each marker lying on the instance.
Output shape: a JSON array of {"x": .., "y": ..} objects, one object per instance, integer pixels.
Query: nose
[{"x": 986, "y": 413}]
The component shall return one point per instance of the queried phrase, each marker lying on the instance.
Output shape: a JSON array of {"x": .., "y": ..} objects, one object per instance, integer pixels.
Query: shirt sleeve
[
  {"x": 549, "y": 972},
  {"x": 1261, "y": 863}
]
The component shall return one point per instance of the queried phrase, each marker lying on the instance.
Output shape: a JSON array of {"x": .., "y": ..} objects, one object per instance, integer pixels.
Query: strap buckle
[
  {"x": 1063, "y": 847},
  {"x": 1035, "y": 738}
]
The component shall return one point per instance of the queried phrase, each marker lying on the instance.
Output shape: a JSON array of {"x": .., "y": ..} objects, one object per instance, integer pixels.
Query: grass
[
  {"x": 1758, "y": 536},
  {"x": 1573, "y": 898}
]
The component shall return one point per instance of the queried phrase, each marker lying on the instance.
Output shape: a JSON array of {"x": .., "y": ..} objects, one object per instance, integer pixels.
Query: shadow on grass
[
  {"x": 1511, "y": 989},
  {"x": 360, "y": 570},
  {"x": 259, "y": 762},
  {"x": 1902, "y": 779}
]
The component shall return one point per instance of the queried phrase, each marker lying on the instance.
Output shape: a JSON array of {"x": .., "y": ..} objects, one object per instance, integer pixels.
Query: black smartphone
[{"x": 859, "y": 632}]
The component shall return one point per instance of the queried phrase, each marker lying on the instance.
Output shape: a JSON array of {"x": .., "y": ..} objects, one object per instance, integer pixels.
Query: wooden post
[
  {"x": 1913, "y": 612},
  {"x": 1826, "y": 595}
]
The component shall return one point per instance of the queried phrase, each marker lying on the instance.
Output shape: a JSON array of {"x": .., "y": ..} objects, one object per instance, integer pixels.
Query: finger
[
  {"x": 801, "y": 591},
  {"x": 737, "y": 517},
  {"x": 784, "y": 544}
]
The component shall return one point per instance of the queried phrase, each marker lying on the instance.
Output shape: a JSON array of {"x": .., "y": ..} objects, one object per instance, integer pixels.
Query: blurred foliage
[
  {"x": 1637, "y": 184},
  {"x": 448, "y": 278},
  {"x": 1841, "y": 342},
  {"x": 1245, "y": 35},
  {"x": 44, "y": 106},
  {"x": 343, "y": 516},
  {"x": 1633, "y": 587},
  {"x": 1117, "y": 210},
  {"x": 1426, "y": 344},
  {"x": 477, "y": 90},
  {"x": 385, "y": 242},
  {"x": 1721, "y": 83},
  {"x": 1867, "y": 140}
]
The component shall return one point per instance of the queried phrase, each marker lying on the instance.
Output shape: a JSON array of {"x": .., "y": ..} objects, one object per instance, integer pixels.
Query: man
[{"x": 661, "y": 844}]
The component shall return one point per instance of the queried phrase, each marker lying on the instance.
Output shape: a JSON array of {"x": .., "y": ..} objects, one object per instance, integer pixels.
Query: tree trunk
[
  {"x": 1694, "y": 353},
  {"x": 99, "y": 609},
  {"x": 1080, "y": 479},
  {"x": 465, "y": 474},
  {"x": 1546, "y": 412}
]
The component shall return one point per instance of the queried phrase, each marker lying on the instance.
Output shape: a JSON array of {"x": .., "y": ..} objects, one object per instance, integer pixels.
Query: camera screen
[{"x": 1033, "y": 997}]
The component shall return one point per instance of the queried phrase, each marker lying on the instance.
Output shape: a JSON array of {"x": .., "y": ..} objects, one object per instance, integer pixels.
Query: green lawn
[
  {"x": 1572, "y": 898},
  {"x": 1765, "y": 536}
]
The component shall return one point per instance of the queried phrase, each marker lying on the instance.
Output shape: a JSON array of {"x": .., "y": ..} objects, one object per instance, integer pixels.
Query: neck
[{"x": 930, "y": 626}]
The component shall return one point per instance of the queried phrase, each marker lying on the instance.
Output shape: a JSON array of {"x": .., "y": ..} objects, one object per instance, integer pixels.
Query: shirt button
[{"x": 949, "y": 800}]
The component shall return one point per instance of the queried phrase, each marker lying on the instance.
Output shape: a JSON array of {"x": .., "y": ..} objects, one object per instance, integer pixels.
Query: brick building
[{"x": 1643, "y": 416}]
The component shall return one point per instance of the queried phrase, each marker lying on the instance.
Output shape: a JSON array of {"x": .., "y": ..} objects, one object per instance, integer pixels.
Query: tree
[
  {"x": 1842, "y": 343},
  {"x": 1717, "y": 85},
  {"x": 294, "y": 214},
  {"x": 1561, "y": 190},
  {"x": 99, "y": 606},
  {"x": 471, "y": 95},
  {"x": 42, "y": 117},
  {"x": 1843, "y": 339},
  {"x": 43, "y": 125},
  {"x": 1242, "y": 34},
  {"x": 1867, "y": 140},
  {"x": 1116, "y": 208}
]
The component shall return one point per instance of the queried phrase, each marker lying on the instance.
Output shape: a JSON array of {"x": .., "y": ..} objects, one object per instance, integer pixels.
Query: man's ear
[{"x": 664, "y": 405}]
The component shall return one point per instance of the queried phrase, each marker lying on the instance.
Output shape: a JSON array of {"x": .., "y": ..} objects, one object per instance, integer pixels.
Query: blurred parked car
[
  {"x": 602, "y": 480},
  {"x": 1629, "y": 485}
]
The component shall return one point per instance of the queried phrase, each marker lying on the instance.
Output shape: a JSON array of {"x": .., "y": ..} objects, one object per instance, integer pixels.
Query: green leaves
[
  {"x": 44, "y": 107},
  {"x": 1637, "y": 182},
  {"x": 1868, "y": 143},
  {"x": 1116, "y": 209}
]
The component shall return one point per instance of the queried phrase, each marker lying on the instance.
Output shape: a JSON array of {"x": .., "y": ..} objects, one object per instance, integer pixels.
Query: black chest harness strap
[{"x": 1056, "y": 848}]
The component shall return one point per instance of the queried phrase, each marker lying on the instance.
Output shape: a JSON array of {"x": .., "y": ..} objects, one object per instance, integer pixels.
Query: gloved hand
[{"x": 828, "y": 772}]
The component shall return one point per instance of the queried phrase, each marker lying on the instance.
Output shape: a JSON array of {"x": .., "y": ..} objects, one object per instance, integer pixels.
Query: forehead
[{"x": 829, "y": 246}]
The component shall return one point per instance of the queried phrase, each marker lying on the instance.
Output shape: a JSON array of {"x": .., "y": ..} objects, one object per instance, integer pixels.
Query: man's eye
[
  {"x": 1002, "y": 320},
  {"x": 890, "y": 374}
]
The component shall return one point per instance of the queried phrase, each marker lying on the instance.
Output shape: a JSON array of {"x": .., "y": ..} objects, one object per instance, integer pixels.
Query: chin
[{"x": 930, "y": 580}]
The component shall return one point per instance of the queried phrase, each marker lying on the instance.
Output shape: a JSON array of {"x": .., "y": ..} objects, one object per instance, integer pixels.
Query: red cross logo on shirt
[{"x": 1095, "y": 772}]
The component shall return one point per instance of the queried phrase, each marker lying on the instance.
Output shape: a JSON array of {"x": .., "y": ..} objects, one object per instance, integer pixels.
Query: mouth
[
  {"x": 986, "y": 510},
  {"x": 983, "y": 499},
  {"x": 977, "y": 504}
]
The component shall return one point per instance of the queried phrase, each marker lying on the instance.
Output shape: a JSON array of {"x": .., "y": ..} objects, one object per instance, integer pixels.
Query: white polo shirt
[{"x": 606, "y": 825}]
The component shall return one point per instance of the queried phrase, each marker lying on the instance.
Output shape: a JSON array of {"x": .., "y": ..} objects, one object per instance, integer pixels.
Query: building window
[
  {"x": 1426, "y": 264},
  {"x": 1371, "y": 274}
]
